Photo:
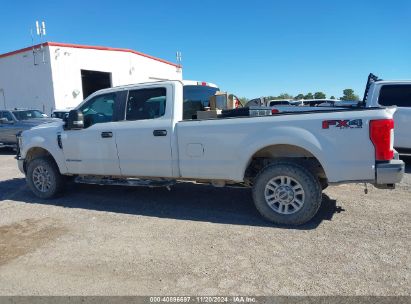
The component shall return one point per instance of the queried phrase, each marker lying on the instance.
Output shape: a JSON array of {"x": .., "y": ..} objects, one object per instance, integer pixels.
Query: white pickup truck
[
  {"x": 393, "y": 93},
  {"x": 145, "y": 134}
]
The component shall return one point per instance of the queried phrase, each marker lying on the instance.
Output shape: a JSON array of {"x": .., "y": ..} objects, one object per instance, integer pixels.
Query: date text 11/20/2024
[{"x": 205, "y": 299}]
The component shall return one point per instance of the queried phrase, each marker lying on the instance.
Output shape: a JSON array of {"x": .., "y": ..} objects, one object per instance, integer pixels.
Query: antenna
[
  {"x": 40, "y": 31},
  {"x": 43, "y": 28},
  {"x": 179, "y": 59}
]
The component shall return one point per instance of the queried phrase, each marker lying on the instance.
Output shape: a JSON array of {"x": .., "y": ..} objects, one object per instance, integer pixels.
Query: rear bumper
[{"x": 389, "y": 173}]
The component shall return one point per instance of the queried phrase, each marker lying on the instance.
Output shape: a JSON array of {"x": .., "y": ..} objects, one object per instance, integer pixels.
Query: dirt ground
[{"x": 199, "y": 240}]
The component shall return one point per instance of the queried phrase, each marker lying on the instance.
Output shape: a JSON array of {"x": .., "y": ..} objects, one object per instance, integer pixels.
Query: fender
[
  {"x": 47, "y": 144},
  {"x": 293, "y": 136}
]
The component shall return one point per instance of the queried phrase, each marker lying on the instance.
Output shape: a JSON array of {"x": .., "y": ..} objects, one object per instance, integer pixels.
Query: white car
[{"x": 142, "y": 135}]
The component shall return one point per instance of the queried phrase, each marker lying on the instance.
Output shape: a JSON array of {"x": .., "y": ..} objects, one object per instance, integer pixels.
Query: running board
[{"x": 131, "y": 182}]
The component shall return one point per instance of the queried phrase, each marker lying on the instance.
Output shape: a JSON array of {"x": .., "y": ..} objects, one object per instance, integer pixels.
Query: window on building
[
  {"x": 146, "y": 104},
  {"x": 395, "y": 95}
]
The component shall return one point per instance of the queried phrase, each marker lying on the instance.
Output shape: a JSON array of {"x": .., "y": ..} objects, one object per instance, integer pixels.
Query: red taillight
[
  {"x": 274, "y": 111},
  {"x": 381, "y": 136}
]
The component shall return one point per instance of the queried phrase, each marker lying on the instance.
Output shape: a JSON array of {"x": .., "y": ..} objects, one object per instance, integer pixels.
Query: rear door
[
  {"x": 144, "y": 137},
  {"x": 400, "y": 96}
]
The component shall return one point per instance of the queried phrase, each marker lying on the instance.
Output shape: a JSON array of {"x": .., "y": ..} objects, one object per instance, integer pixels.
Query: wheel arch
[
  {"x": 37, "y": 152},
  {"x": 284, "y": 152}
]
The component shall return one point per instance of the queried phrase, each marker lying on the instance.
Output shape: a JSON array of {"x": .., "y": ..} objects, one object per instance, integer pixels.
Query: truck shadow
[
  {"x": 7, "y": 151},
  {"x": 407, "y": 161},
  {"x": 184, "y": 202}
]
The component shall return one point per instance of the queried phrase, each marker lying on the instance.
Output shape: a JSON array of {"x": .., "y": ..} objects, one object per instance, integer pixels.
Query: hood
[
  {"x": 52, "y": 124},
  {"x": 38, "y": 121}
]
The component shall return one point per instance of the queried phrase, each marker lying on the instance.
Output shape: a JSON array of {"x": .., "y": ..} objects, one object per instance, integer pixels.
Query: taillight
[
  {"x": 382, "y": 137},
  {"x": 274, "y": 111}
]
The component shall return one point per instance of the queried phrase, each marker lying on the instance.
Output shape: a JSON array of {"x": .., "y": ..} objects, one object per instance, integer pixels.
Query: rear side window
[
  {"x": 195, "y": 98},
  {"x": 395, "y": 95},
  {"x": 146, "y": 104}
]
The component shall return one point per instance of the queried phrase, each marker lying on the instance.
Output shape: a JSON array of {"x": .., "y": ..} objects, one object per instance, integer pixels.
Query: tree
[
  {"x": 284, "y": 96},
  {"x": 309, "y": 96},
  {"x": 299, "y": 96},
  {"x": 244, "y": 100},
  {"x": 332, "y": 97},
  {"x": 319, "y": 95},
  {"x": 348, "y": 94}
]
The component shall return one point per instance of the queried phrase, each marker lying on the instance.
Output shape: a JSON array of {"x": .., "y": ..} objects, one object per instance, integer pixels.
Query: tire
[
  {"x": 44, "y": 178},
  {"x": 286, "y": 193}
]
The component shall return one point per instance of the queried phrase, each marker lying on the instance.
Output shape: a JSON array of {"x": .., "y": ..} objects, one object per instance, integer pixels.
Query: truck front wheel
[
  {"x": 287, "y": 193},
  {"x": 44, "y": 178}
]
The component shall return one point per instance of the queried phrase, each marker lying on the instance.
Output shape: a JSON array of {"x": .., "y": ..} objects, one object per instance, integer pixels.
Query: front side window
[
  {"x": 146, "y": 104},
  {"x": 395, "y": 95},
  {"x": 98, "y": 109}
]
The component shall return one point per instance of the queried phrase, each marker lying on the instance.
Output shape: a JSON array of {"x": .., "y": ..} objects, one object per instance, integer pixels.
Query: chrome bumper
[{"x": 389, "y": 173}]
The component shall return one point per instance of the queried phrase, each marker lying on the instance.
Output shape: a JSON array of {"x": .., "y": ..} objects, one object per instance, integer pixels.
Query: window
[
  {"x": 395, "y": 95},
  {"x": 146, "y": 104},
  {"x": 28, "y": 114},
  {"x": 195, "y": 98},
  {"x": 6, "y": 115},
  {"x": 98, "y": 109}
]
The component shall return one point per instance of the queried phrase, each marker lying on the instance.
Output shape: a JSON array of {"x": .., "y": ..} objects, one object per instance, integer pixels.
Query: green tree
[
  {"x": 332, "y": 97},
  {"x": 309, "y": 96},
  {"x": 348, "y": 94},
  {"x": 244, "y": 100},
  {"x": 319, "y": 95},
  {"x": 284, "y": 96},
  {"x": 299, "y": 96}
]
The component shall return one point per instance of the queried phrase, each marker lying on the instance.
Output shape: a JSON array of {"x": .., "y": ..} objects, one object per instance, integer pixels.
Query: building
[{"x": 54, "y": 75}]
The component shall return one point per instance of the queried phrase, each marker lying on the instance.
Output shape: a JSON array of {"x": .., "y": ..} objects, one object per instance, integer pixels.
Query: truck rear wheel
[
  {"x": 44, "y": 178},
  {"x": 287, "y": 193}
]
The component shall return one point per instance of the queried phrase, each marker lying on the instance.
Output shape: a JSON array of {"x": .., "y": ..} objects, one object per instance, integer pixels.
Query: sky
[{"x": 250, "y": 48}]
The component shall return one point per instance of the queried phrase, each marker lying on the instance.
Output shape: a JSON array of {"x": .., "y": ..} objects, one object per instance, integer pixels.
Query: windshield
[
  {"x": 195, "y": 98},
  {"x": 28, "y": 114}
]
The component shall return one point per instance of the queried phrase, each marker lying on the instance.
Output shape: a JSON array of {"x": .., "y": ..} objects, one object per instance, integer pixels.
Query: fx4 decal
[{"x": 343, "y": 124}]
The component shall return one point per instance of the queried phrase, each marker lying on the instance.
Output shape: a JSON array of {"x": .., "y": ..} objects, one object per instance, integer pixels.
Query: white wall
[
  {"x": 51, "y": 85},
  {"x": 125, "y": 68},
  {"x": 24, "y": 84}
]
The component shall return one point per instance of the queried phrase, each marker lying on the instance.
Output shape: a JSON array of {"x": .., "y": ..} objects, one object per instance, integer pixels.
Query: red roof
[{"x": 89, "y": 47}]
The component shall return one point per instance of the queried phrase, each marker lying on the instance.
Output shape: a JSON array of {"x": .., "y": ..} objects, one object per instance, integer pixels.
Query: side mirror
[
  {"x": 3, "y": 120},
  {"x": 75, "y": 120}
]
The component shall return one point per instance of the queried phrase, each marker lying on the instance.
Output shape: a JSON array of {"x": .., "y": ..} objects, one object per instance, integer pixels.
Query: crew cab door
[
  {"x": 144, "y": 137},
  {"x": 93, "y": 150}
]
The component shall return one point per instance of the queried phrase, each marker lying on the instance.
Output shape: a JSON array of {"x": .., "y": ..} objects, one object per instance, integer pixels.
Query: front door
[
  {"x": 144, "y": 138},
  {"x": 93, "y": 150}
]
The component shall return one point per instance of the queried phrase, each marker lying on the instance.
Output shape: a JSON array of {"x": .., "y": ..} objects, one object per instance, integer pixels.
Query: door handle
[
  {"x": 160, "y": 132},
  {"x": 106, "y": 134}
]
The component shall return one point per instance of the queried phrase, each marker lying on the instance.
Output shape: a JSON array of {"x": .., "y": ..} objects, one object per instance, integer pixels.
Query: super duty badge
[{"x": 342, "y": 124}]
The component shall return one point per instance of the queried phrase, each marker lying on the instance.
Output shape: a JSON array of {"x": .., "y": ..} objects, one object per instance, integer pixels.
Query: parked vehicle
[
  {"x": 60, "y": 113},
  {"x": 15, "y": 121},
  {"x": 392, "y": 93},
  {"x": 137, "y": 135}
]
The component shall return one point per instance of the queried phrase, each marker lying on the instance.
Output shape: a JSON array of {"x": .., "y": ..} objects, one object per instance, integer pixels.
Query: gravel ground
[{"x": 199, "y": 240}]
